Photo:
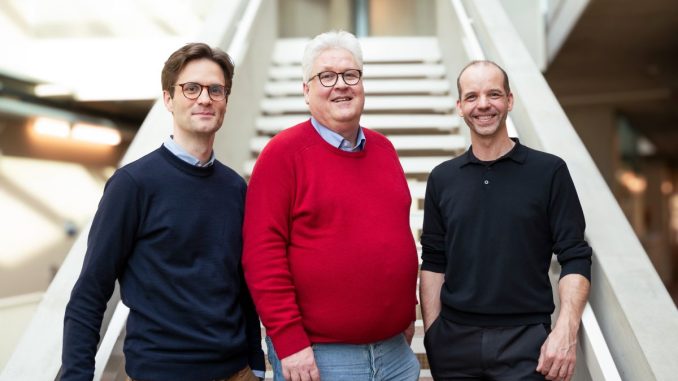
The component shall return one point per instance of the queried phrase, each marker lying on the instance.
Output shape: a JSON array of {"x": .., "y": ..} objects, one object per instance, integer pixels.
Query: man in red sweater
[{"x": 328, "y": 252}]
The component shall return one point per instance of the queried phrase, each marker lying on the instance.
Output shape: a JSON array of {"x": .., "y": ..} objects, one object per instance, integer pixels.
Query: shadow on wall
[{"x": 45, "y": 204}]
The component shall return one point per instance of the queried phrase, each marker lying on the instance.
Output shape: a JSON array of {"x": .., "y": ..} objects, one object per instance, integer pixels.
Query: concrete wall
[
  {"x": 306, "y": 18},
  {"x": 49, "y": 188},
  {"x": 402, "y": 17},
  {"x": 15, "y": 312},
  {"x": 597, "y": 128},
  {"x": 648, "y": 211}
]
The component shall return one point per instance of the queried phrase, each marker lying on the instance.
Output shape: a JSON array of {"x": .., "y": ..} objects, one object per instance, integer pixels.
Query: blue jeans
[{"x": 388, "y": 360}]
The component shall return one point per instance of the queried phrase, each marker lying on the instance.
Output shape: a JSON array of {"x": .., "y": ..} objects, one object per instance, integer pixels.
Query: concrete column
[
  {"x": 597, "y": 128},
  {"x": 402, "y": 18},
  {"x": 657, "y": 219}
]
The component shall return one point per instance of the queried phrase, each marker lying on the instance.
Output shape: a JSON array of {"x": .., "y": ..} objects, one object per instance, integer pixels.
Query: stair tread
[
  {"x": 372, "y": 86},
  {"x": 401, "y": 70},
  {"x": 417, "y": 189},
  {"x": 375, "y": 49},
  {"x": 436, "y": 103}
]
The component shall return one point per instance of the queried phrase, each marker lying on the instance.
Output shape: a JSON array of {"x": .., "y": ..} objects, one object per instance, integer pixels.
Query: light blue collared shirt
[
  {"x": 338, "y": 141},
  {"x": 181, "y": 153}
]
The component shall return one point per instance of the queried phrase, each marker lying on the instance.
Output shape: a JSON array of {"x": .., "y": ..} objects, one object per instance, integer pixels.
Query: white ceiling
[{"x": 96, "y": 49}]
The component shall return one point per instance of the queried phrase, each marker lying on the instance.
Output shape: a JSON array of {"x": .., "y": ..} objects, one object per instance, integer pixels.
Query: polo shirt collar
[{"x": 518, "y": 154}]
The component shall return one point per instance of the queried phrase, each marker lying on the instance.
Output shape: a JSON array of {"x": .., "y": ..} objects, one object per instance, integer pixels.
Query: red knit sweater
[{"x": 328, "y": 251}]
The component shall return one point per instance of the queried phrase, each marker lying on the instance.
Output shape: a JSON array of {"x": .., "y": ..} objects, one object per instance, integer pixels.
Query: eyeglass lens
[
  {"x": 330, "y": 78},
  {"x": 192, "y": 90}
]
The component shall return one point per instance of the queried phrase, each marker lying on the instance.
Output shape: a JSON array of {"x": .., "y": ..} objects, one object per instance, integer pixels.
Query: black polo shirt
[{"x": 492, "y": 227}]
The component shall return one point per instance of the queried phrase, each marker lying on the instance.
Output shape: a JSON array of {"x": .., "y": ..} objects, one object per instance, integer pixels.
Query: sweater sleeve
[
  {"x": 266, "y": 236},
  {"x": 110, "y": 241},
  {"x": 252, "y": 325},
  {"x": 433, "y": 233},
  {"x": 567, "y": 226},
  {"x": 252, "y": 330}
]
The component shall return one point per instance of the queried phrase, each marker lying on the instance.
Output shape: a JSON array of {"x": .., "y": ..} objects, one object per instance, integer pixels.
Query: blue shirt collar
[
  {"x": 181, "y": 153},
  {"x": 338, "y": 141}
]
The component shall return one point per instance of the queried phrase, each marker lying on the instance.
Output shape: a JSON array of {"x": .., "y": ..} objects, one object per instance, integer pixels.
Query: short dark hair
[
  {"x": 507, "y": 88},
  {"x": 193, "y": 51}
]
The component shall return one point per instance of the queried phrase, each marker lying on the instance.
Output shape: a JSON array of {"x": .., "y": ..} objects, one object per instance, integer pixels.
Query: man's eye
[
  {"x": 327, "y": 75},
  {"x": 217, "y": 89},
  {"x": 191, "y": 88}
]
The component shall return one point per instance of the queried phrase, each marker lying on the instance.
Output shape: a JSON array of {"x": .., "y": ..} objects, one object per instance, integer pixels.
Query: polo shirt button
[{"x": 486, "y": 182}]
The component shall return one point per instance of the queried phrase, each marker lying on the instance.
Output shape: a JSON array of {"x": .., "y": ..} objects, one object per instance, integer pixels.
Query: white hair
[{"x": 330, "y": 40}]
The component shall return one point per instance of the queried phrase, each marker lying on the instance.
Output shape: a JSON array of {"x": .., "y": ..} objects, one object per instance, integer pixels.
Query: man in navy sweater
[
  {"x": 493, "y": 218},
  {"x": 168, "y": 229}
]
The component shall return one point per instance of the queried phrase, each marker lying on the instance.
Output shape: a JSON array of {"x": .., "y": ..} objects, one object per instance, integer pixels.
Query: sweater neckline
[
  {"x": 317, "y": 139},
  {"x": 183, "y": 166}
]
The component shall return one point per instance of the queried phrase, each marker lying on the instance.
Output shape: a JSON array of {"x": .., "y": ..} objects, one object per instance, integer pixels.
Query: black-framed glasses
[
  {"x": 329, "y": 78},
  {"x": 192, "y": 91}
]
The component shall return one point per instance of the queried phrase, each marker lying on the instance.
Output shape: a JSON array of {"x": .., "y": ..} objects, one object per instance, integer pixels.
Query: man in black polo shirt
[{"x": 493, "y": 218}]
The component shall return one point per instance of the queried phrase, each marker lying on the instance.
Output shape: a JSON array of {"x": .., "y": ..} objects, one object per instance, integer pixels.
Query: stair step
[
  {"x": 432, "y": 103},
  {"x": 372, "y": 86},
  {"x": 271, "y": 125},
  {"x": 375, "y": 49},
  {"x": 416, "y": 219},
  {"x": 428, "y": 142},
  {"x": 371, "y": 71},
  {"x": 421, "y": 165},
  {"x": 417, "y": 189}
]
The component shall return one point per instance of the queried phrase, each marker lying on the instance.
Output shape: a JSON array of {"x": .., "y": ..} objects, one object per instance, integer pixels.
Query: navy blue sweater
[
  {"x": 170, "y": 233},
  {"x": 493, "y": 227}
]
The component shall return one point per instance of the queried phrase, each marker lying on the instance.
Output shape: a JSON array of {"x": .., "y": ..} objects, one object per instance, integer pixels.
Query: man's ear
[
  {"x": 169, "y": 102},
  {"x": 306, "y": 89}
]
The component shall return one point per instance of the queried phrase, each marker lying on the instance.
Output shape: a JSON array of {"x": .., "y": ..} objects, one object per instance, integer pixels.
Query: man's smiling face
[
  {"x": 338, "y": 107},
  {"x": 483, "y": 101}
]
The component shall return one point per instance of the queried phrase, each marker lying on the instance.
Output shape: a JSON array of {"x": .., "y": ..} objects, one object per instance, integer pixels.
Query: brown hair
[{"x": 193, "y": 51}]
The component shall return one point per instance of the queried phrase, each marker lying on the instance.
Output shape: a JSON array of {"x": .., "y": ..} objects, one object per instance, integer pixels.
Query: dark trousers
[{"x": 462, "y": 352}]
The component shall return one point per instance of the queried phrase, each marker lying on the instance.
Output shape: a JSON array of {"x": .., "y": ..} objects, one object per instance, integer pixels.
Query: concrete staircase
[{"x": 408, "y": 97}]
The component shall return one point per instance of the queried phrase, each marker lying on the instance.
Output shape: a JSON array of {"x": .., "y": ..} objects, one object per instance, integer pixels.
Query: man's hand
[
  {"x": 409, "y": 333},
  {"x": 559, "y": 352},
  {"x": 300, "y": 366},
  {"x": 429, "y": 294},
  {"x": 558, "y": 355}
]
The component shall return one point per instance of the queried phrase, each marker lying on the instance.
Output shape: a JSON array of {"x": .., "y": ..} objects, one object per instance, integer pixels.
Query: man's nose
[
  {"x": 204, "y": 96},
  {"x": 340, "y": 82}
]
